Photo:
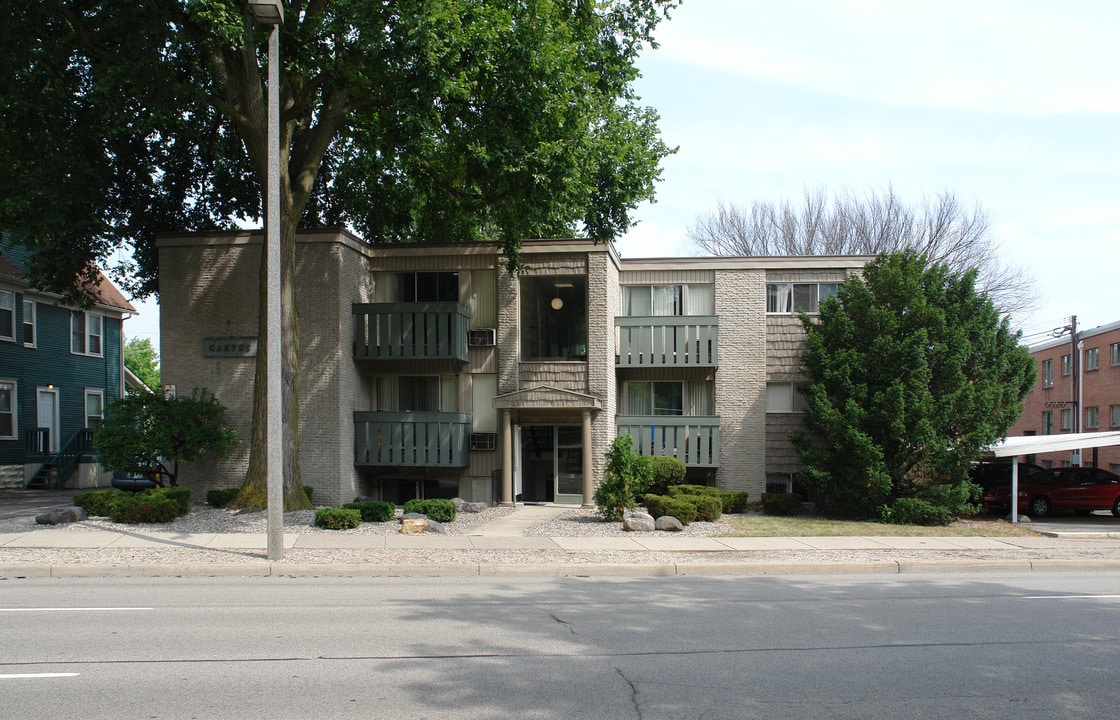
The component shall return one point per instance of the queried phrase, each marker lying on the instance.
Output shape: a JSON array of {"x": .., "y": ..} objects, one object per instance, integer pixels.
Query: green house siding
[{"x": 51, "y": 364}]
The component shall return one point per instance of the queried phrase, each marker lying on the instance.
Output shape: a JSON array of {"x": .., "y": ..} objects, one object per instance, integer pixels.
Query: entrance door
[
  {"x": 552, "y": 464},
  {"x": 47, "y": 406}
]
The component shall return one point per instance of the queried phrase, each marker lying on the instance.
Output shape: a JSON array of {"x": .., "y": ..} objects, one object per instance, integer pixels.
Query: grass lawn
[{"x": 808, "y": 526}]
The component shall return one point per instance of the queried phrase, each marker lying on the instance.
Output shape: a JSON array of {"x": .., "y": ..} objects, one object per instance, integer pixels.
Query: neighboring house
[
  {"x": 1069, "y": 377},
  {"x": 59, "y": 367},
  {"x": 430, "y": 371}
]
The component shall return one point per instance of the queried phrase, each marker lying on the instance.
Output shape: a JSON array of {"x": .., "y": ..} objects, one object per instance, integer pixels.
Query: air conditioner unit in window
[
  {"x": 481, "y": 337},
  {"x": 484, "y": 441}
]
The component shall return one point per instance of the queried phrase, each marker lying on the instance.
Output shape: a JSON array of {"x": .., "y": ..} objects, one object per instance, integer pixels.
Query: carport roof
[{"x": 1030, "y": 444}]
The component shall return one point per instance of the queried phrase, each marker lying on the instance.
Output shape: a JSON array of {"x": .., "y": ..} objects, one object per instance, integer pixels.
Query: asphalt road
[{"x": 990, "y": 646}]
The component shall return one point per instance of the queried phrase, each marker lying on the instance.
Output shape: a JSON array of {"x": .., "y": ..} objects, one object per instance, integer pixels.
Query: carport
[{"x": 1013, "y": 447}]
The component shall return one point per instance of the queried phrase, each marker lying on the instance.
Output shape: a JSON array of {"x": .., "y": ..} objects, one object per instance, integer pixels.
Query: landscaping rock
[
  {"x": 414, "y": 525},
  {"x": 435, "y": 528},
  {"x": 638, "y": 522},
  {"x": 668, "y": 522},
  {"x": 62, "y": 516},
  {"x": 413, "y": 516},
  {"x": 472, "y": 507}
]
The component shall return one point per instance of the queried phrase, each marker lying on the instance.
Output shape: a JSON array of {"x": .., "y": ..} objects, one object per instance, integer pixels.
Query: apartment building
[
  {"x": 429, "y": 371},
  {"x": 1075, "y": 384}
]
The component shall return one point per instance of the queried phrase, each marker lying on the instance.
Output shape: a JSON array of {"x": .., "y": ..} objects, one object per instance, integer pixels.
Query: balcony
[
  {"x": 410, "y": 331},
  {"x": 668, "y": 341},
  {"x": 412, "y": 439},
  {"x": 694, "y": 440}
]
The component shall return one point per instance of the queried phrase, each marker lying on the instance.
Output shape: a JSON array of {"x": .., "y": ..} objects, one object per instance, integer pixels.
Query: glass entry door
[{"x": 552, "y": 464}]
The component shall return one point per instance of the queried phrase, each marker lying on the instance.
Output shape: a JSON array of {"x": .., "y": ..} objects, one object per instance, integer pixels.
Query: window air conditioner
[{"x": 481, "y": 337}]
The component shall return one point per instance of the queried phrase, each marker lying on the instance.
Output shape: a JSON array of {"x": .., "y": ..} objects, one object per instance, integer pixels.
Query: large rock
[
  {"x": 473, "y": 507},
  {"x": 414, "y": 525},
  {"x": 668, "y": 522},
  {"x": 638, "y": 522},
  {"x": 435, "y": 528},
  {"x": 62, "y": 516}
]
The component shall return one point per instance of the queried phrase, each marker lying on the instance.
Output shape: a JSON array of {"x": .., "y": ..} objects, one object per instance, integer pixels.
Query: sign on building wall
[{"x": 229, "y": 347}]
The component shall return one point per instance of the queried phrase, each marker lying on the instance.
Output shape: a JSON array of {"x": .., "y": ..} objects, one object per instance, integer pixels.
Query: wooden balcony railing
[
  {"x": 410, "y": 331},
  {"x": 694, "y": 440},
  {"x": 668, "y": 341},
  {"x": 412, "y": 439}
]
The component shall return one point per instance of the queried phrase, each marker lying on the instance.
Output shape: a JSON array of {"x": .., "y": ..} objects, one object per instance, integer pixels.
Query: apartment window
[
  {"x": 665, "y": 300},
  {"x": 1092, "y": 417},
  {"x": 407, "y": 393},
  {"x": 1114, "y": 350},
  {"x": 95, "y": 407},
  {"x": 779, "y": 482},
  {"x": 1114, "y": 468},
  {"x": 1047, "y": 373},
  {"x": 1114, "y": 413},
  {"x": 784, "y": 397},
  {"x": 7, "y": 409},
  {"x": 1067, "y": 420},
  {"x": 426, "y": 287},
  {"x": 789, "y": 298},
  {"x": 1047, "y": 422},
  {"x": 85, "y": 333},
  {"x": 29, "y": 323},
  {"x": 1092, "y": 358},
  {"x": 1067, "y": 364},
  {"x": 7, "y": 315},
  {"x": 654, "y": 398},
  {"x": 554, "y": 317},
  {"x": 1048, "y": 464}
]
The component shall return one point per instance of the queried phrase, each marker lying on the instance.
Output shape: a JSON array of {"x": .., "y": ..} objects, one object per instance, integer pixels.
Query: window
[
  {"x": 7, "y": 409},
  {"x": 1092, "y": 359},
  {"x": 7, "y": 315},
  {"x": 85, "y": 333},
  {"x": 694, "y": 398},
  {"x": 1092, "y": 417},
  {"x": 408, "y": 393},
  {"x": 1067, "y": 366},
  {"x": 1067, "y": 420},
  {"x": 1114, "y": 468},
  {"x": 1114, "y": 350},
  {"x": 95, "y": 402},
  {"x": 29, "y": 323},
  {"x": 784, "y": 397},
  {"x": 779, "y": 482},
  {"x": 789, "y": 298},
  {"x": 554, "y": 317},
  {"x": 663, "y": 300},
  {"x": 427, "y": 287},
  {"x": 1047, "y": 422},
  {"x": 1047, "y": 373},
  {"x": 1114, "y": 413}
]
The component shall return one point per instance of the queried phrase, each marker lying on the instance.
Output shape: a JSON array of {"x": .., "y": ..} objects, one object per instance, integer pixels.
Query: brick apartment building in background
[{"x": 1051, "y": 408}]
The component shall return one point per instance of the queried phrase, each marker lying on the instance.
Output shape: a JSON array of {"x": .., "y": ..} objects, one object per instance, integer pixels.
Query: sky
[{"x": 1011, "y": 105}]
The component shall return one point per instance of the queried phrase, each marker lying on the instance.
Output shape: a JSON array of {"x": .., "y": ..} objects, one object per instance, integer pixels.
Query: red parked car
[{"x": 1080, "y": 489}]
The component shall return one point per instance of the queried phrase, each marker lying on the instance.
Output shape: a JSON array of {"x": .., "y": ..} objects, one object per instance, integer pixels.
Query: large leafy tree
[
  {"x": 428, "y": 120},
  {"x": 143, "y": 360},
  {"x": 913, "y": 374}
]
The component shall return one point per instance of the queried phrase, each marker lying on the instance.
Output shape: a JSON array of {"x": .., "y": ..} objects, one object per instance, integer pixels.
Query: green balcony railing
[
  {"x": 411, "y": 331},
  {"x": 694, "y": 440},
  {"x": 412, "y": 439},
  {"x": 668, "y": 341}
]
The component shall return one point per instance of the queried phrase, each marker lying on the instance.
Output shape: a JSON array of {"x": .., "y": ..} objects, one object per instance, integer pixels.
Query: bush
[
  {"x": 373, "y": 510},
  {"x": 438, "y": 510},
  {"x": 960, "y": 499},
  {"x": 221, "y": 498},
  {"x": 625, "y": 472},
  {"x": 678, "y": 490},
  {"x": 678, "y": 507},
  {"x": 337, "y": 518},
  {"x": 308, "y": 491},
  {"x": 148, "y": 506},
  {"x": 709, "y": 508},
  {"x": 664, "y": 472},
  {"x": 914, "y": 511},
  {"x": 781, "y": 503},
  {"x": 97, "y": 502},
  {"x": 181, "y": 496},
  {"x": 734, "y": 502}
]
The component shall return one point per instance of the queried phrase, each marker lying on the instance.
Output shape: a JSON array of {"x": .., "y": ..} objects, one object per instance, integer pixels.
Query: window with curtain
[
  {"x": 669, "y": 398},
  {"x": 484, "y": 299},
  {"x": 668, "y": 300},
  {"x": 7, "y": 409},
  {"x": 417, "y": 393}
]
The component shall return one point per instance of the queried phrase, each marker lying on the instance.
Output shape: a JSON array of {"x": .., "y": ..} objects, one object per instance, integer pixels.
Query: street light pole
[{"x": 271, "y": 13}]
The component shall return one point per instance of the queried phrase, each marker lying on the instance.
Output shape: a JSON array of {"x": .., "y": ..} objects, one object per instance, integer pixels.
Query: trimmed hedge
[
  {"x": 337, "y": 518},
  {"x": 221, "y": 498},
  {"x": 734, "y": 502},
  {"x": 914, "y": 511},
  {"x": 96, "y": 503},
  {"x": 678, "y": 490},
  {"x": 373, "y": 510},
  {"x": 678, "y": 507},
  {"x": 438, "y": 510},
  {"x": 664, "y": 473},
  {"x": 155, "y": 505},
  {"x": 781, "y": 503}
]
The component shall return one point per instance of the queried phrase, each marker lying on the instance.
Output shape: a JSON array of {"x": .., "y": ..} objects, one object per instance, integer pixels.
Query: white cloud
[{"x": 650, "y": 240}]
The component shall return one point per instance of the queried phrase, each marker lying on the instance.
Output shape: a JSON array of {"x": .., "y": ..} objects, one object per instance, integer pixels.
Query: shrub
[
  {"x": 664, "y": 472},
  {"x": 734, "y": 502},
  {"x": 373, "y": 510},
  {"x": 97, "y": 502},
  {"x": 914, "y": 511},
  {"x": 337, "y": 518},
  {"x": 308, "y": 491},
  {"x": 438, "y": 510},
  {"x": 181, "y": 496},
  {"x": 781, "y": 503},
  {"x": 678, "y": 490},
  {"x": 625, "y": 472},
  {"x": 678, "y": 507},
  {"x": 960, "y": 499},
  {"x": 149, "y": 506},
  {"x": 709, "y": 508},
  {"x": 221, "y": 498}
]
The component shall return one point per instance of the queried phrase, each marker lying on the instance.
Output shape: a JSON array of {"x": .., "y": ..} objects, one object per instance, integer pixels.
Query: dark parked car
[
  {"x": 1080, "y": 489},
  {"x": 990, "y": 475}
]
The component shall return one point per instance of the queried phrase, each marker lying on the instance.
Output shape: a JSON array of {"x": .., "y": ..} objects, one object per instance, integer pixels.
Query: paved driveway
[{"x": 20, "y": 503}]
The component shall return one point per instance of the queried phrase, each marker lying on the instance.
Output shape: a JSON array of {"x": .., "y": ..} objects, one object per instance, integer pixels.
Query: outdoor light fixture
[
  {"x": 557, "y": 303},
  {"x": 268, "y": 12}
]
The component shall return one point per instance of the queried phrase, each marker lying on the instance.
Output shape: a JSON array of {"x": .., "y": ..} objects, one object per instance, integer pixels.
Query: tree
[
  {"x": 141, "y": 358},
  {"x": 913, "y": 374},
  {"x": 438, "y": 120},
  {"x": 943, "y": 229},
  {"x": 150, "y": 434}
]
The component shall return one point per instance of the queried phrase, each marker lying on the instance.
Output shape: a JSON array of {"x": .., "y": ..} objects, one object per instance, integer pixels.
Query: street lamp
[{"x": 271, "y": 13}]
